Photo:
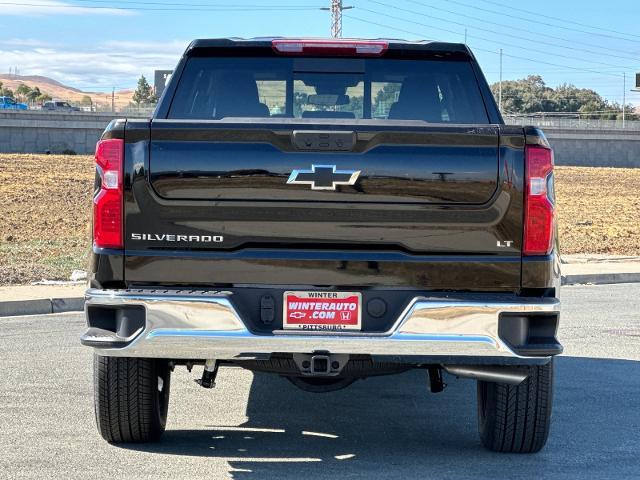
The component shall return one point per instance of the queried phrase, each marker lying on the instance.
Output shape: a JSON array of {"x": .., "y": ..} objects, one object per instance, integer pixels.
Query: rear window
[{"x": 434, "y": 91}]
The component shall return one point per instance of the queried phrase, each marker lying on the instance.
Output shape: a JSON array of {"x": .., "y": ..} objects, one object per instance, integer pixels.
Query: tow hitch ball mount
[
  {"x": 209, "y": 374},
  {"x": 320, "y": 363}
]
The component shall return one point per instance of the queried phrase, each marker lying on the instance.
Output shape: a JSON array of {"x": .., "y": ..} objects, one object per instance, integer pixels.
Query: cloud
[
  {"x": 54, "y": 7},
  {"x": 24, "y": 42},
  {"x": 110, "y": 64}
]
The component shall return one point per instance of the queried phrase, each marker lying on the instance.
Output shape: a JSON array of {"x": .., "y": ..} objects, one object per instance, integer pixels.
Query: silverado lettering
[
  {"x": 157, "y": 237},
  {"x": 375, "y": 215}
]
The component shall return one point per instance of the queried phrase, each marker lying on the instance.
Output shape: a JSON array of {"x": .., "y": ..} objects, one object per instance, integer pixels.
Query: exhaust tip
[{"x": 495, "y": 374}]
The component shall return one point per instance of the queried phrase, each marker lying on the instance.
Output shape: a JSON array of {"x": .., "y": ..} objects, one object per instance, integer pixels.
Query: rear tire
[
  {"x": 131, "y": 397},
  {"x": 516, "y": 418}
]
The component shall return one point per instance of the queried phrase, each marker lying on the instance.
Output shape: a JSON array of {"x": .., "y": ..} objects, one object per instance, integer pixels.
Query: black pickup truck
[{"x": 325, "y": 210}]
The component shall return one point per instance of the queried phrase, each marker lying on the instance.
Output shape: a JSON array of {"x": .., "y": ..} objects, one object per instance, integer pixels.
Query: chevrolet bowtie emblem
[{"x": 323, "y": 177}]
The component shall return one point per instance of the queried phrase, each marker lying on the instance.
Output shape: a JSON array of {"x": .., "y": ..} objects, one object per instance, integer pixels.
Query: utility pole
[
  {"x": 113, "y": 99},
  {"x": 336, "y": 17},
  {"x": 465, "y": 36},
  {"x": 624, "y": 98},
  {"x": 500, "y": 85}
]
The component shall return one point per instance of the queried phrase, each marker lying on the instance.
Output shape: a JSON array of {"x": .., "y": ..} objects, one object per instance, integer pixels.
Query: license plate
[{"x": 322, "y": 311}]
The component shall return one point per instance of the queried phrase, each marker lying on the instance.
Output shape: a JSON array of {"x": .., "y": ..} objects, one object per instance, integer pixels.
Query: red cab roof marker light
[{"x": 367, "y": 48}]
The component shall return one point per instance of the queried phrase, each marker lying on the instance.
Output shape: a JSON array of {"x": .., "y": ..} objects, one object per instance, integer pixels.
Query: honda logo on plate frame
[{"x": 323, "y": 177}]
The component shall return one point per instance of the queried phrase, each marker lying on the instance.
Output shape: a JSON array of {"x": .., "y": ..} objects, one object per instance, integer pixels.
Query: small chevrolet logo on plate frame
[{"x": 324, "y": 177}]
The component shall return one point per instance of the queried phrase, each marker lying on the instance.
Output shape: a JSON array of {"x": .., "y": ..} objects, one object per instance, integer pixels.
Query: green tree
[
  {"x": 23, "y": 91},
  {"x": 144, "y": 94},
  {"x": 355, "y": 106},
  {"x": 532, "y": 95},
  {"x": 6, "y": 92},
  {"x": 86, "y": 101},
  {"x": 33, "y": 94},
  {"x": 299, "y": 101},
  {"x": 528, "y": 95},
  {"x": 383, "y": 100},
  {"x": 44, "y": 97}
]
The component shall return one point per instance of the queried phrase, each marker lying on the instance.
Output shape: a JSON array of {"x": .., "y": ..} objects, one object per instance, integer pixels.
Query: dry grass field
[
  {"x": 599, "y": 210},
  {"x": 45, "y": 212},
  {"x": 44, "y": 216}
]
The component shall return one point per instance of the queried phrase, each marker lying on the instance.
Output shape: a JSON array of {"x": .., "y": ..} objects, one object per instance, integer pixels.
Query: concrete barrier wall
[
  {"x": 38, "y": 132},
  {"x": 595, "y": 148}
]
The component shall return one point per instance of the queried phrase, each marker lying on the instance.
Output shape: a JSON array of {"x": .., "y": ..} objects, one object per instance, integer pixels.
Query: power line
[
  {"x": 537, "y": 40},
  {"x": 483, "y": 38},
  {"x": 402, "y": 19},
  {"x": 539, "y": 62},
  {"x": 552, "y": 64},
  {"x": 564, "y": 20},
  {"x": 538, "y": 22}
]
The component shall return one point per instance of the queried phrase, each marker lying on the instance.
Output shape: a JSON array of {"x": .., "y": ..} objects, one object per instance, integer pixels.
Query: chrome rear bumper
[{"x": 202, "y": 325}]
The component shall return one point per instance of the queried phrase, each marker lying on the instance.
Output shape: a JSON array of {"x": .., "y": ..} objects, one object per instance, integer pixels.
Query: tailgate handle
[{"x": 323, "y": 140}]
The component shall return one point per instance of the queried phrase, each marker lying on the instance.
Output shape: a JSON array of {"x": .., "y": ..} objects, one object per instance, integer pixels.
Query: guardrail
[
  {"x": 130, "y": 111},
  {"x": 120, "y": 113},
  {"x": 73, "y": 116},
  {"x": 543, "y": 122},
  {"x": 573, "y": 123}
]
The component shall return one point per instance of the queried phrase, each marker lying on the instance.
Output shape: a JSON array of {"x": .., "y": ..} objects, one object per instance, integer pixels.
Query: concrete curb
[
  {"x": 76, "y": 304},
  {"x": 601, "y": 278},
  {"x": 41, "y": 306}
]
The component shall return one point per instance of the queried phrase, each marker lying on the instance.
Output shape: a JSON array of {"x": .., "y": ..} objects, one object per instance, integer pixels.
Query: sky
[{"x": 97, "y": 45}]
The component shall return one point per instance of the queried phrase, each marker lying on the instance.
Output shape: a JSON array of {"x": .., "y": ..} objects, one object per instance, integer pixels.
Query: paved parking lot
[{"x": 254, "y": 427}]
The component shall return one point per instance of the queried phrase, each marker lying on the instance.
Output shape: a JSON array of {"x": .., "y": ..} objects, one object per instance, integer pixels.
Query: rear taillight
[
  {"x": 107, "y": 204},
  {"x": 366, "y": 48},
  {"x": 539, "y": 201}
]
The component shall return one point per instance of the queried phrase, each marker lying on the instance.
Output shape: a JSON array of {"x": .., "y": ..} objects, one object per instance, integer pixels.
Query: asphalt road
[{"x": 254, "y": 427}]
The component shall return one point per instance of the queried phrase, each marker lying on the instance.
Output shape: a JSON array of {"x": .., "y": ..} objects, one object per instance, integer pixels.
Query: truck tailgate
[{"x": 441, "y": 197}]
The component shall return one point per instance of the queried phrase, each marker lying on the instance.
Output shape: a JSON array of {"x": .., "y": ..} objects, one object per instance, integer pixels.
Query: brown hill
[{"x": 60, "y": 91}]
